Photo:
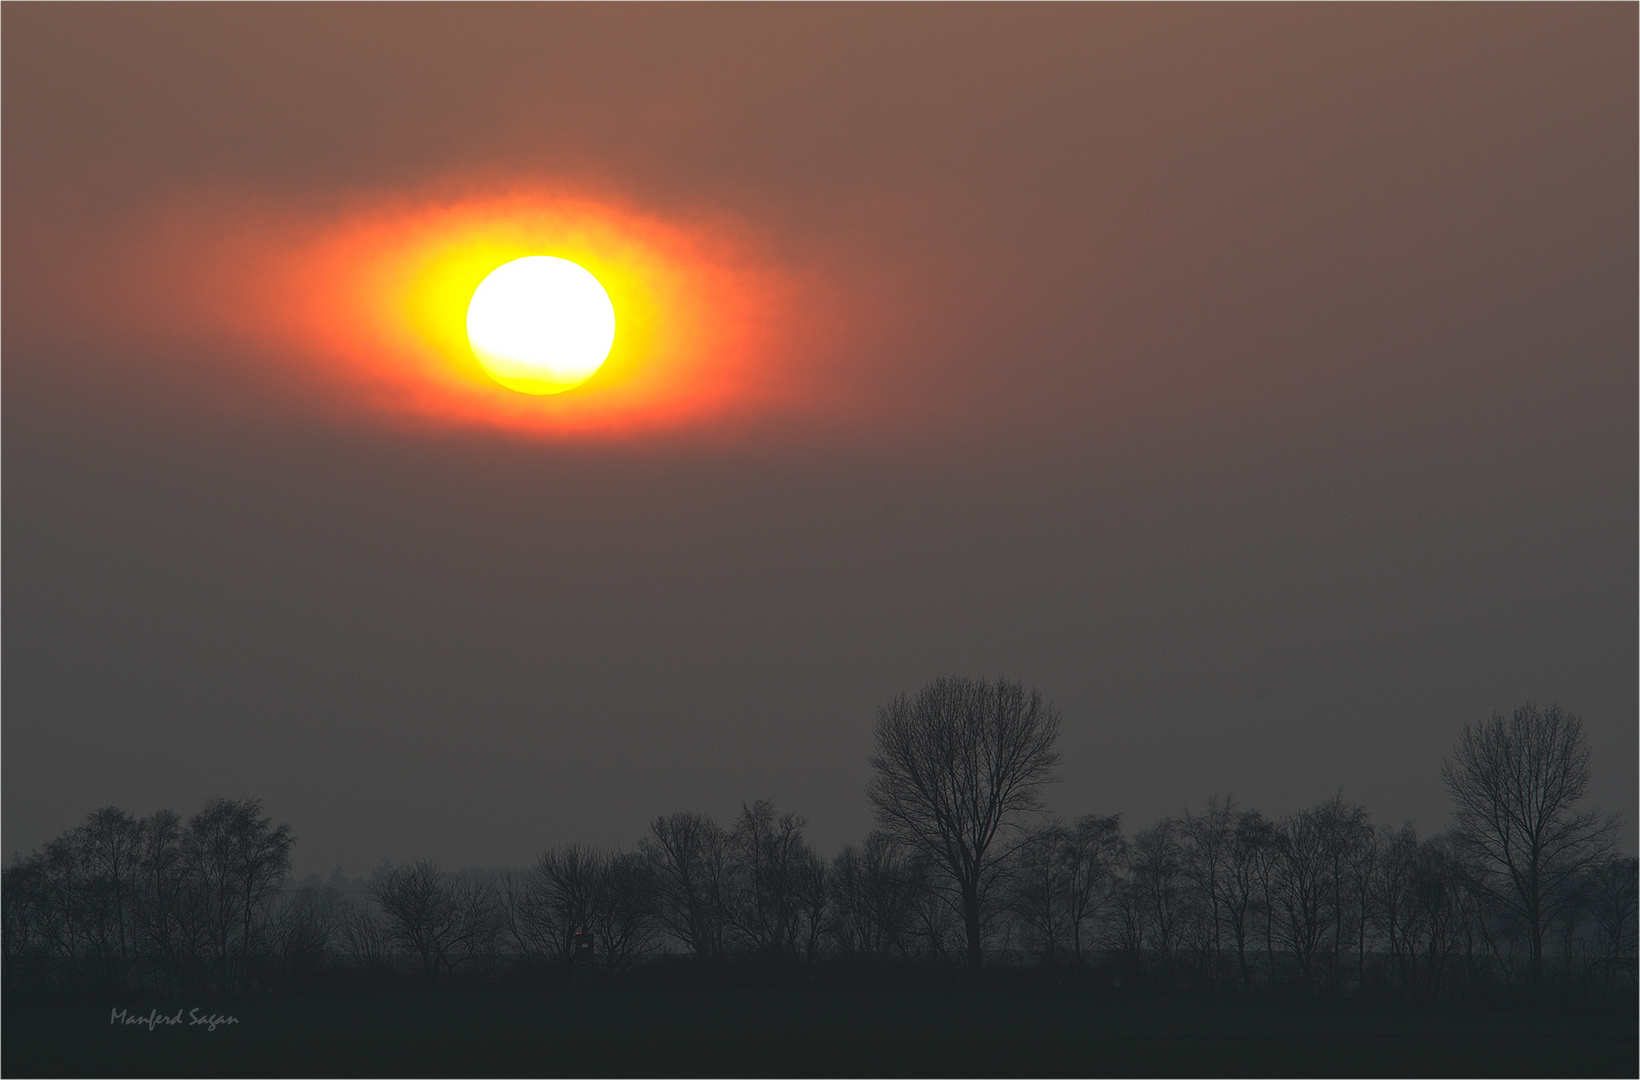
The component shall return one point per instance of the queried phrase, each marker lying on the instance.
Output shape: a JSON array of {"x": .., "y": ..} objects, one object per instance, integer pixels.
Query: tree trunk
[
  {"x": 1537, "y": 949},
  {"x": 970, "y": 920}
]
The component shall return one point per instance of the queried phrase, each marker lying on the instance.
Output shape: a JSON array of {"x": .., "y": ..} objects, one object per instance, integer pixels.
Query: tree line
[{"x": 965, "y": 873}]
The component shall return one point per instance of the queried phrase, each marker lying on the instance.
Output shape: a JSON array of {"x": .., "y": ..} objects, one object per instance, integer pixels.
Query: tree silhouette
[
  {"x": 166, "y": 906},
  {"x": 445, "y": 920},
  {"x": 1615, "y": 899},
  {"x": 1245, "y": 893},
  {"x": 1207, "y": 841},
  {"x": 1157, "y": 881},
  {"x": 110, "y": 851},
  {"x": 1094, "y": 853},
  {"x": 690, "y": 856},
  {"x": 1516, "y": 783},
  {"x": 1302, "y": 891},
  {"x": 1417, "y": 905},
  {"x": 1062, "y": 879},
  {"x": 874, "y": 891},
  {"x": 236, "y": 861},
  {"x": 957, "y": 767},
  {"x": 576, "y": 888},
  {"x": 1039, "y": 891},
  {"x": 778, "y": 896},
  {"x": 168, "y": 901}
]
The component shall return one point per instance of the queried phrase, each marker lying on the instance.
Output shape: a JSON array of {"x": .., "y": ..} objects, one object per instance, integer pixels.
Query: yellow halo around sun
[{"x": 540, "y": 324}]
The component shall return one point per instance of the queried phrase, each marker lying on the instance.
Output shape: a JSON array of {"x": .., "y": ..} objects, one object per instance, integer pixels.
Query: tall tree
[
  {"x": 627, "y": 919},
  {"x": 237, "y": 860},
  {"x": 1251, "y": 843},
  {"x": 1061, "y": 881},
  {"x": 1157, "y": 880},
  {"x": 1095, "y": 852},
  {"x": 1615, "y": 901},
  {"x": 573, "y": 888},
  {"x": 444, "y": 919},
  {"x": 28, "y": 943},
  {"x": 555, "y": 898},
  {"x": 1207, "y": 839},
  {"x": 1040, "y": 891},
  {"x": 776, "y": 898},
  {"x": 958, "y": 770},
  {"x": 1351, "y": 847},
  {"x": 170, "y": 911},
  {"x": 110, "y": 849},
  {"x": 874, "y": 890},
  {"x": 690, "y": 856},
  {"x": 1517, "y": 783},
  {"x": 1302, "y": 888}
]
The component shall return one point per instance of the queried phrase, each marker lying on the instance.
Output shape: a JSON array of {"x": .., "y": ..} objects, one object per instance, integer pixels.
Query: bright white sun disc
[{"x": 540, "y": 324}]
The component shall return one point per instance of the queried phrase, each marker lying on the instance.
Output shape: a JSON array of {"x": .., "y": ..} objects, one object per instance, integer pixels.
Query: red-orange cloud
[{"x": 365, "y": 302}]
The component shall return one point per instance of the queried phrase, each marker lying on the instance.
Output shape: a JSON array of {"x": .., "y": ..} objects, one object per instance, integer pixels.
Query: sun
[{"x": 540, "y": 324}]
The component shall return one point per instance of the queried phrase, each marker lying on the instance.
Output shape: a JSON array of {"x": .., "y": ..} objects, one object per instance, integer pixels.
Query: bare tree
[
  {"x": 152, "y": 904},
  {"x": 1301, "y": 890},
  {"x": 307, "y": 927},
  {"x": 366, "y": 936},
  {"x": 237, "y": 861},
  {"x": 873, "y": 888},
  {"x": 690, "y": 856},
  {"x": 1416, "y": 903},
  {"x": 935, "y": 930},
  {"x": 1400, "y": 916},
  {"x": 1207, "y": 841},
  {"x": 1348, "y": 846},
  {"x": 444, "y": 919},
  {"x": 1039, "y": 891},
  {"x": 1251, "y": 843},
  {"x": 28, "y": 924},
  {"x": 1358, "y": 855},
  {"x": 778, "y": 898},
  {"x": 168, "y": 899},
  {"x": 1094, "y": 855},
  {"x": 957, "y": 767},
  {"x": 1611, "y": 959},
  {"x": 1517, "y": 783},
  {"x": 1318, "y": 885},
  {"x": 627, "y": 920},
  {"x": 1061, "y": 881},
  {"x": 1157, "y": 880},
  {"x": 110, "y": 850},
  {"x": 559, "y": 895},
  {"x": 574, "y": 888}
]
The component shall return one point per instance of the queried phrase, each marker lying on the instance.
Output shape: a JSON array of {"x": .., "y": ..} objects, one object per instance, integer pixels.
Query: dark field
[{"x": 816, "y": 1032}]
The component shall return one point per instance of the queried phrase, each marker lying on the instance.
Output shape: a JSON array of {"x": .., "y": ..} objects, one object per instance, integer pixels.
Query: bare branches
[
  {"x": 444, "y": 919},
  {"x": 778, "y": 893},
  {"x": 1517, "y": 783},
  {"x": 1524, "y": 890},
  {"x": 957, "y": 767},
  {"x": 611, "y": 895},
  {"x": 689, "y": 854}
]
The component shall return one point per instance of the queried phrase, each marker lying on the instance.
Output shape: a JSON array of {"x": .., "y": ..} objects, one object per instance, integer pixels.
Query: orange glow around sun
[{"x": 370, "y": 304}]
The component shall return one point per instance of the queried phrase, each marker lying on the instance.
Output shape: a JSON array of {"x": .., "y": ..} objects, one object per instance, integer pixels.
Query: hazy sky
[{"x": 1257, "y": 382}]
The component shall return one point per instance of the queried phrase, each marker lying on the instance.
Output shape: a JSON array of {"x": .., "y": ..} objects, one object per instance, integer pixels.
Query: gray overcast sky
[{"x": 1257, "y": 382}]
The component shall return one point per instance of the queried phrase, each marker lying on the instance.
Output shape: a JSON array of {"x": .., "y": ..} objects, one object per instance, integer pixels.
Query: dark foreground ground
[{"x": 813, "y": 1032}]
